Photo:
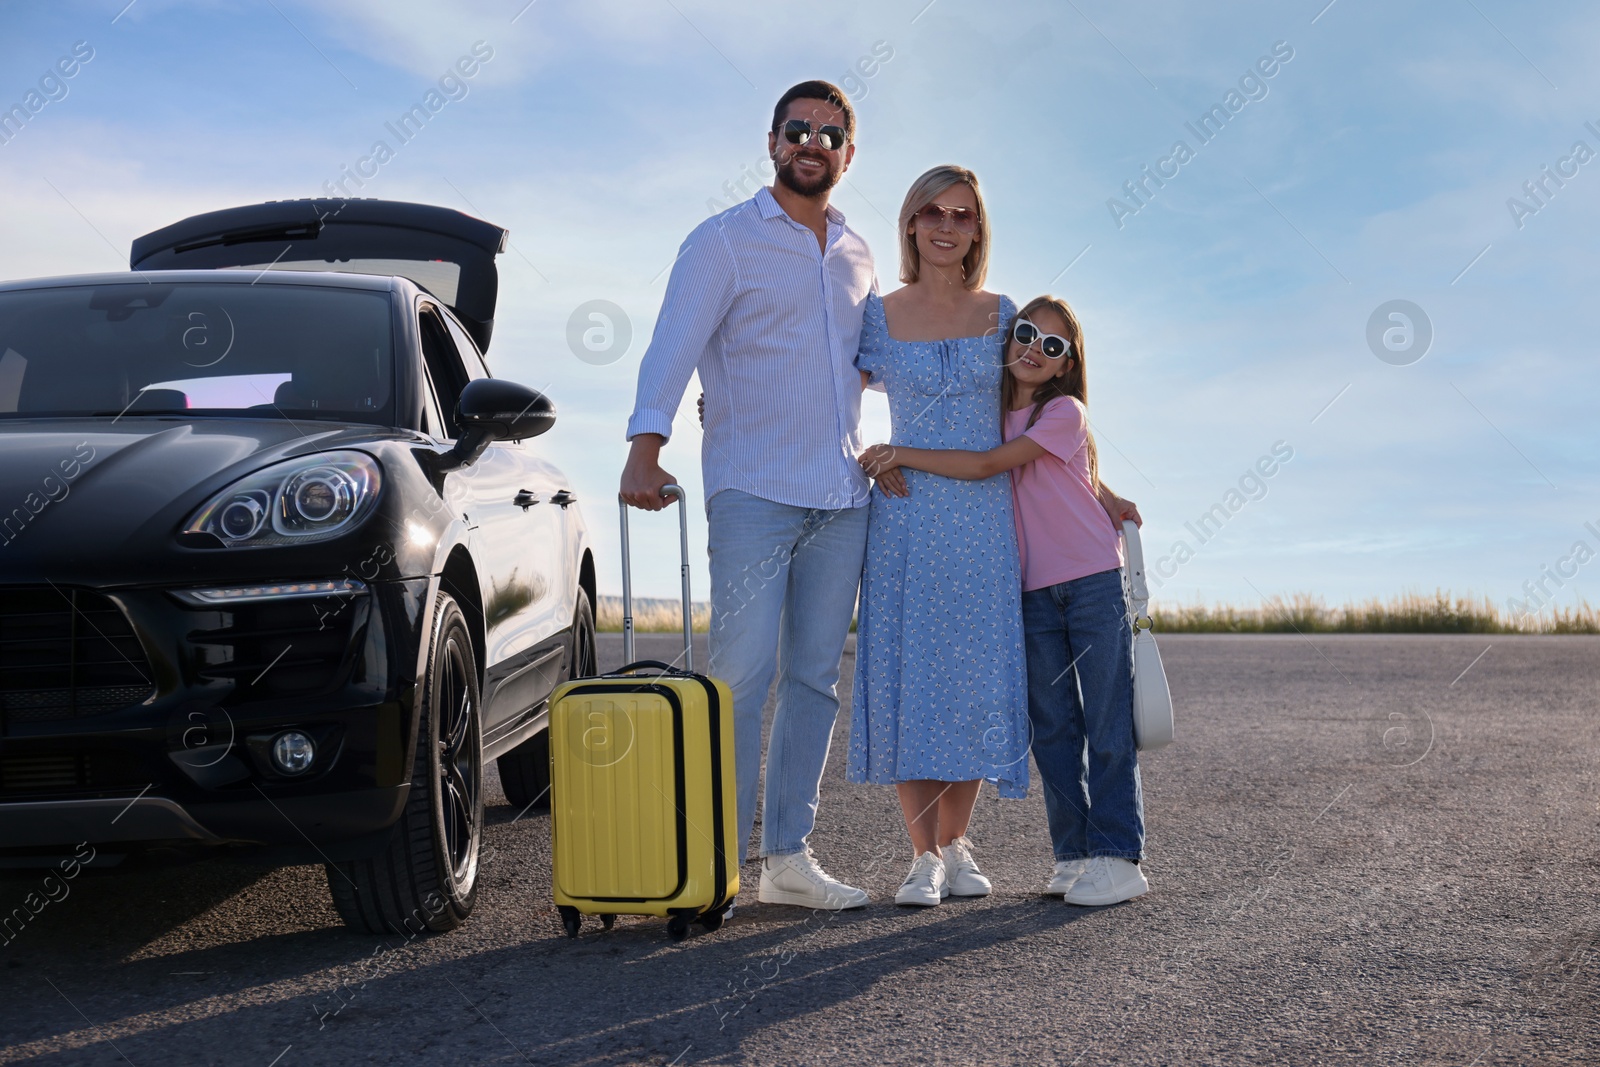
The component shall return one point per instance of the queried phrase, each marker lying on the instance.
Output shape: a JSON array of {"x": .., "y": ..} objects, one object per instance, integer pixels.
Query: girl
[
  {"x": 1080, "y": 692},
  {"x": 940, "y": 689}
]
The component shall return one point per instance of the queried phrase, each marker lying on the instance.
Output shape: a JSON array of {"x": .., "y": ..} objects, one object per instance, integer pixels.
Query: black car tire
[
  {"x": 428, "y": 877},
  {"x": 525, "y": 770}
]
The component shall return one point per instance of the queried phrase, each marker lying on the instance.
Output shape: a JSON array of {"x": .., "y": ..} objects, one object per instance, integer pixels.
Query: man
[{"x": 766, "y": 300}]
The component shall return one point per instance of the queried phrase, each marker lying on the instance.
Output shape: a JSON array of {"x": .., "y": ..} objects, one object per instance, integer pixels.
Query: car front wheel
[{"x": 428, "y": 877}]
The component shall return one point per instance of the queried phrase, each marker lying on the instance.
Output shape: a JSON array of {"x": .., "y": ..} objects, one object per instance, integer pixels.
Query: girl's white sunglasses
[{"x": 1054, "y": 346}]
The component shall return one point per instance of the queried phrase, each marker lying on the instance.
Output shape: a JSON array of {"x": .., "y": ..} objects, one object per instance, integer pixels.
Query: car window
[
  {"x": 444, "y": 366},
  {"x": 469, "y": 352},
  {"x": 146, "y": 348},
  {"x": 432, "y": 415}
]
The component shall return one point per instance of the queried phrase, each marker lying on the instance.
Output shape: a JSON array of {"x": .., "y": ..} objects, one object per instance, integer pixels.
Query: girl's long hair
[{"x": 1074, "y": 383}]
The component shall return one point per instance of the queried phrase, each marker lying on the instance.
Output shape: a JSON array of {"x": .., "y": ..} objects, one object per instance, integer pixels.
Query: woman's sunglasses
[
  {"x": 964, "y": 219},
  {"x": 1052, "y": 345},
  {"x": 829, "y": 138}
]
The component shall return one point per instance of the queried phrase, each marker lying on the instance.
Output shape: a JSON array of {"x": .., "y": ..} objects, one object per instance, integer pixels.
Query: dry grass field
[{"x": 1409, "y": 613}]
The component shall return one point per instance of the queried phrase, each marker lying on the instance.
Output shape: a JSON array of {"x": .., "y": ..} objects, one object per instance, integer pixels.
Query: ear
[{"x": 772, "y": 144}]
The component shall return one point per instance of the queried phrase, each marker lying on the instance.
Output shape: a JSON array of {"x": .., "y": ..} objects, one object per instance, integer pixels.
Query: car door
[{"x": 515, "y": 534}]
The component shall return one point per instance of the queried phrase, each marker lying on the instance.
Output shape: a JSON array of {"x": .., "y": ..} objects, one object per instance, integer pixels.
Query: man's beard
[{"x": 796, "y": 183}]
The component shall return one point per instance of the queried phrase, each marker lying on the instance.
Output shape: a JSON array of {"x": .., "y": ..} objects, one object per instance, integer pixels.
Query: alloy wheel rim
[
  {"x": 459, "y": 771},
  {"x": 584, "y": 662}
]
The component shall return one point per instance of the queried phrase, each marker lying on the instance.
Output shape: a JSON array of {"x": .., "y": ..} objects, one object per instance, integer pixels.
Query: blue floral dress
[{"x": 941, "y": 688}]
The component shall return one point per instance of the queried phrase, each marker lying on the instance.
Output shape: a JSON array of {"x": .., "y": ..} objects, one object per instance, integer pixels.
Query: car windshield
[{"x": 139, "y": 348}]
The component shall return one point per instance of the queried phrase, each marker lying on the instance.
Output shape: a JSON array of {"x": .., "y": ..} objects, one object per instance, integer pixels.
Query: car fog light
[{"x": 293, "y": 752}]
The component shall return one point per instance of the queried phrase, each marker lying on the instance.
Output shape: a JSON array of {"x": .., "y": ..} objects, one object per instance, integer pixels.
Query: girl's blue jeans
[{"x": 1080, "y": 705}]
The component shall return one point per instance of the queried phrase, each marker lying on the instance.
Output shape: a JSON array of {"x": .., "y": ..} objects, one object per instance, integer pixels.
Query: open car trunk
[{"x": 446, "y": 252}]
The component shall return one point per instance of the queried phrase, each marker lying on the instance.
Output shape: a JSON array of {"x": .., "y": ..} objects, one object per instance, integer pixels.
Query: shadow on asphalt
[{"x": 634, "y": 989}]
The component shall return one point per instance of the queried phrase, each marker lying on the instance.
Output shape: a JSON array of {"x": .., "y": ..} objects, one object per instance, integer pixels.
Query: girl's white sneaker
[
  {"x": 1107, "y": 880},
  {"x": 1067, "y": 874},
  {"x": 926, "y": 885},
  {"x": 961, "y": 870}
]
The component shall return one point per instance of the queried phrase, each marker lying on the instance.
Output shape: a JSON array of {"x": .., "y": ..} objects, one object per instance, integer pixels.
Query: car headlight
[{"x": 299, "y": 500}]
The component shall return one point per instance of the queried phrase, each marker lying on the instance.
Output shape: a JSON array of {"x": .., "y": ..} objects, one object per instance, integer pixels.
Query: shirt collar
[{"x": 769, "y": 207}]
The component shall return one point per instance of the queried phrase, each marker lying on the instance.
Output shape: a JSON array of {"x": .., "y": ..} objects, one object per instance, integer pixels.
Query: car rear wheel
[
  {"x": 525, "y": 770},
  {"x": 428, "y": 877}
]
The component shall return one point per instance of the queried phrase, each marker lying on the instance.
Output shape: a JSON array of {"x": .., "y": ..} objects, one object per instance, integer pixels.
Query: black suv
[{"x": 279, "y": 563}]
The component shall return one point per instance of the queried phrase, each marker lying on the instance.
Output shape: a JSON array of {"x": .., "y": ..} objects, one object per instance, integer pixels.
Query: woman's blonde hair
[
  {"x": 923, "y": 191},
  {"x": 1074, "y": 383}
]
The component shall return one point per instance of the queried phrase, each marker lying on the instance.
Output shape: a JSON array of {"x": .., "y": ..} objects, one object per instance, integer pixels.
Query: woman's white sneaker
[
  {"x": 1107, "y": 880},
  {"x": 961, "y": 872},
  {"x": 1067, "y": 874},
  {"x": 926, "y": 885}
]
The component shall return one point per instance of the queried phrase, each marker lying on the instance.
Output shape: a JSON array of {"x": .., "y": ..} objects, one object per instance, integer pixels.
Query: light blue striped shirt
[{"x": 772, "y": 323}]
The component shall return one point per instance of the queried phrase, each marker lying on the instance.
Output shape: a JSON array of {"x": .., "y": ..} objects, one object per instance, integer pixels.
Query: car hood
[{"x": 73, "y": 491}]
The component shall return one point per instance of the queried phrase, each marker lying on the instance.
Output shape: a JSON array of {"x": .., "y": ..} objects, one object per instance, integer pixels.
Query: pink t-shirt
[{"x": 1062, "y": 530}]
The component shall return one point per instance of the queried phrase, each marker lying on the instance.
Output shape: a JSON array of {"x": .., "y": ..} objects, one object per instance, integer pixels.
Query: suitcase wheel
[
  {"x": 711, "y": 920},
  {"x": 607, "y": 921},
  {"x": 678, "y": 927},
  {"x": 571, "y": 919}
]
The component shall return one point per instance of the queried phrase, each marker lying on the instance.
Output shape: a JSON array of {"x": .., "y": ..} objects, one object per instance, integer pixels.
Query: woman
[{"x": 941, "y": 700}]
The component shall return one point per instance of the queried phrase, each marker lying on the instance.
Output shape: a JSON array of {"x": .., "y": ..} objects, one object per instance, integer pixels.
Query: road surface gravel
[{"x": 1362, "y": 850}]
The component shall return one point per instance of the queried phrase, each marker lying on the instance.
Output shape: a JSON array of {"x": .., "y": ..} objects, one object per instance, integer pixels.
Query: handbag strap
[{"x": 1138, "y": 589}]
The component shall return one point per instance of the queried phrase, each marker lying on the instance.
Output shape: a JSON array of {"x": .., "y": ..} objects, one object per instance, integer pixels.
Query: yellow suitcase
[{"x": 643, "y": 803}]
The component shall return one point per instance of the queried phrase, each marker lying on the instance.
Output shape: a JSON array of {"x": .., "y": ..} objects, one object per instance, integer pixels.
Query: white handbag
[{"x": 1152, "y": 700}]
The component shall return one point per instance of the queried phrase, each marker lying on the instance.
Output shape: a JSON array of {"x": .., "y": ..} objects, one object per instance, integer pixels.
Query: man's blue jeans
[
  {"x": 1080, "y": 703},
  {"x": 783, "y": 588}
]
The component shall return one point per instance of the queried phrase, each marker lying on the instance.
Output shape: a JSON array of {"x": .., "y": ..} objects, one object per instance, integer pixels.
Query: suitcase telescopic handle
[{"x": 668, "y": 491}]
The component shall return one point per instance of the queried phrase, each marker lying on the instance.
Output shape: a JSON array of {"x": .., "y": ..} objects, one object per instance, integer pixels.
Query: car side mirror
[{"x": 491, "y": 409}]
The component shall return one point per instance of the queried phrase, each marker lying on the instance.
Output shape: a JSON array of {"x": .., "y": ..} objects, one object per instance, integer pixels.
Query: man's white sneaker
[
  {"x": 1067, "y": 873},
  {"x": 926, "y": 885},
  {"x": 961, "y": 870},
  {"x": 1107, "y": 880},
  {"x": 799, "y": 880}
]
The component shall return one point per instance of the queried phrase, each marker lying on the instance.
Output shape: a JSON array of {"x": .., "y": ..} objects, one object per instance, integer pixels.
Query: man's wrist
[{"x": 647, "y": 446}]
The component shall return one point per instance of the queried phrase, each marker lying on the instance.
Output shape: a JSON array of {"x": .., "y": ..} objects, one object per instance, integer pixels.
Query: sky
[{"x": 1236, "y": 306}]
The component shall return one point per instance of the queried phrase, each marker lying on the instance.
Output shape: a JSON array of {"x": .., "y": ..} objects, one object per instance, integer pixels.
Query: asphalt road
[{"x": 1362, "y": 850}]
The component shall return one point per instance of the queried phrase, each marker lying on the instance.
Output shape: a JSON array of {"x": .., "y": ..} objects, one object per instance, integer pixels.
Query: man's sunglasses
[
  {"x": 964, "y": 219},
  {"x": 799, "y": 131},
  {"x": 1052, "y": 345}
]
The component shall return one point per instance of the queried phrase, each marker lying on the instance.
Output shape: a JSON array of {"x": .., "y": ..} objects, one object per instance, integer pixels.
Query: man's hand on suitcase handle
[{"x": 642, "y": 477}]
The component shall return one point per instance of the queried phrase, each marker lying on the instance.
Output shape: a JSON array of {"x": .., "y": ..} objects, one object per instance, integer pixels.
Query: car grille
[
  {"x": 275, "y": 649},
  {"x": 67, "y": 653},
  {"x": 96, "y": 769}
]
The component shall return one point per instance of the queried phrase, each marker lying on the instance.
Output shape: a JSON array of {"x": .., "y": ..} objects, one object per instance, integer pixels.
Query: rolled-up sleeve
[{"x": 699, "y": 292}]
